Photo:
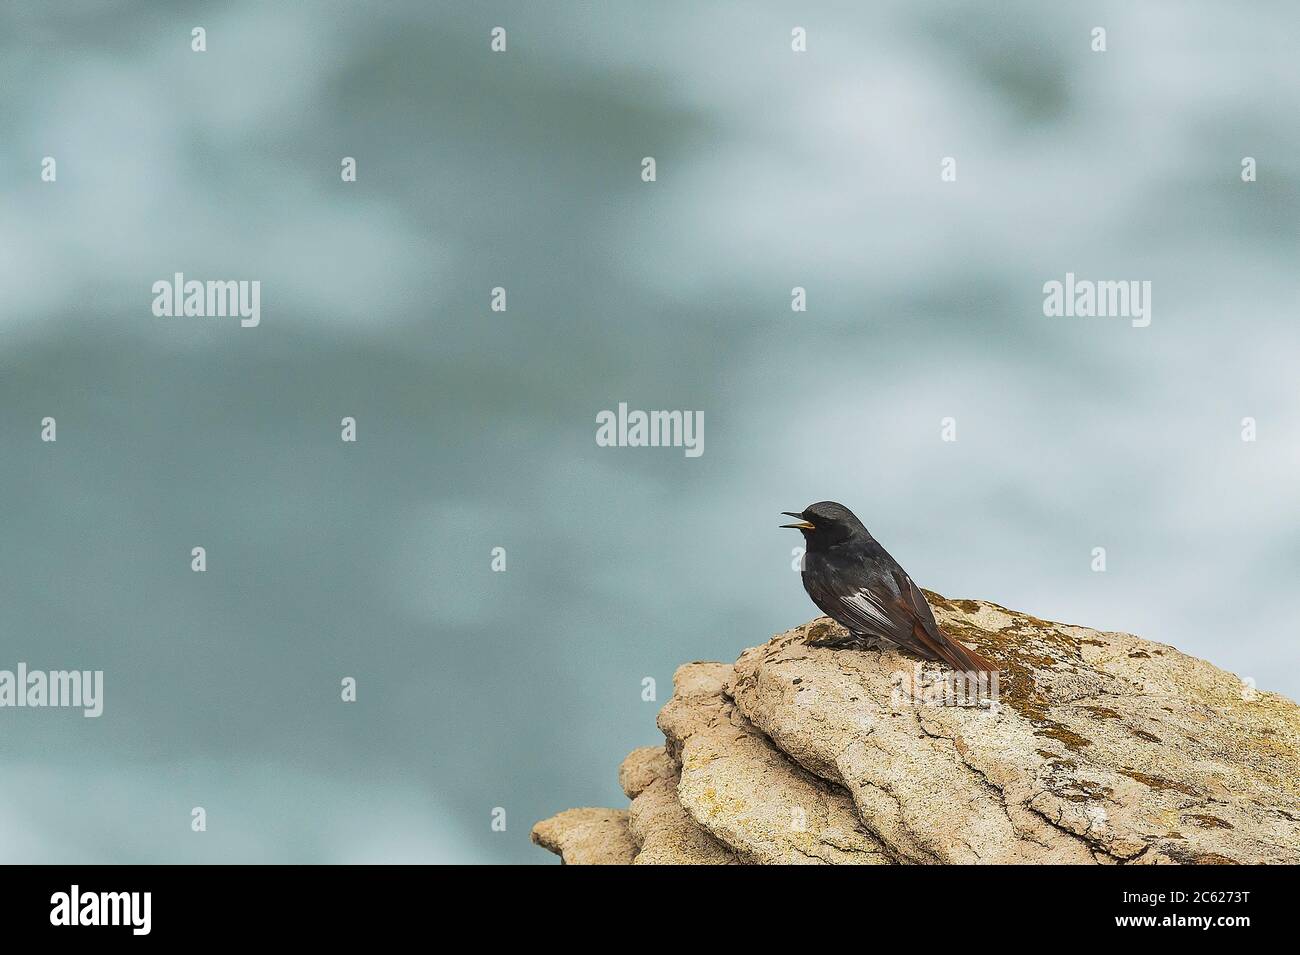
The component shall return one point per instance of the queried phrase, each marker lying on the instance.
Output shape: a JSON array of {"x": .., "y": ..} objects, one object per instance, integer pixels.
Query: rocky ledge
[{"x": 1088, "y": 747}]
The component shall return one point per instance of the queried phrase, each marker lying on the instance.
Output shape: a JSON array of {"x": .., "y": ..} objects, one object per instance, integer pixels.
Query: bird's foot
[{"x": 833, "y": 640}]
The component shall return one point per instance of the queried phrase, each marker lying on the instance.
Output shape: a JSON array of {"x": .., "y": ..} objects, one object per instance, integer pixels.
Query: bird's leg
[{"x": 834, "y": 640}]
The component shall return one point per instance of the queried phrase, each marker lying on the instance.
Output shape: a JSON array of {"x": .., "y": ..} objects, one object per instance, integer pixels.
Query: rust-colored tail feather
[{"x": 951, "y": 652}]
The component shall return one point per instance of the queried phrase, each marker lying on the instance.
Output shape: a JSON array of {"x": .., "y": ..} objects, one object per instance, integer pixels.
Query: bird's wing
[
  {"x": 866, "y": 607},
  {"x": 889, "y": 605},
  {"x": 926, "y": 638},
  {"x": 862, "y": 608},
  {"x": 911, "y": 597}
]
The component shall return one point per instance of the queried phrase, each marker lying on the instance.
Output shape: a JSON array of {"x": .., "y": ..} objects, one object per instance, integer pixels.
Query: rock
[
  {"x": 666, "y": 835},
  {"x": 663, "y": 832},
  {"x": 655, "y": 831},
  {"x": 1090, "y": 747},
  {"x": 748, "y": 794},
  {"x": 1102, "y": 746},
  {"x": 641, "y": 767},
  {"x": 587, "y": 837}
]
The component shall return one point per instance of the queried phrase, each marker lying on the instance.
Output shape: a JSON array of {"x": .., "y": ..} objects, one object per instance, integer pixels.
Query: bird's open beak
[{"x": 801, "y": 526}]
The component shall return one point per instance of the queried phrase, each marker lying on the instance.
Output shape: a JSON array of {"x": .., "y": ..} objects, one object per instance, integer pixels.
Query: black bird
[{"x": 855, "y": 582}]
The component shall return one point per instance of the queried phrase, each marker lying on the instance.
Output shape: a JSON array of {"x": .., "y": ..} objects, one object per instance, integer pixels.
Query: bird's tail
[{"x": 951, "y": 652}]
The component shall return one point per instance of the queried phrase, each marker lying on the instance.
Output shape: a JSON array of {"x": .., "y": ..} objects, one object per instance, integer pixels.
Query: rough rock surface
[
  {"x": 748, "y": 794},
  {"x": 666, "y": 835},
  {"x": 587, "y": 837},
  {"x": 1092, "y": 747},
  {"x": 642, "y": 767}
]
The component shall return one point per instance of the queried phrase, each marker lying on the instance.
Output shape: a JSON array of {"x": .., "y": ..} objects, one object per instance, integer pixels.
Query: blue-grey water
[{"x": 522, "y": 690}]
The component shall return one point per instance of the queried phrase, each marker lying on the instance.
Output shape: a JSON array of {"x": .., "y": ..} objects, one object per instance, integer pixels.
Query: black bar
[{"x": 329, "y": 904}]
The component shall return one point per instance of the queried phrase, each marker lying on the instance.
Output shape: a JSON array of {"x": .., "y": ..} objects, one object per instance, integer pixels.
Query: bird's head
[{"x": 826, "y": 523}]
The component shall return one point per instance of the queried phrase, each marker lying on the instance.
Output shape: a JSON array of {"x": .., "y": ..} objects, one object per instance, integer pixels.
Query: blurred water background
[{"x": 522, "y": 689}]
